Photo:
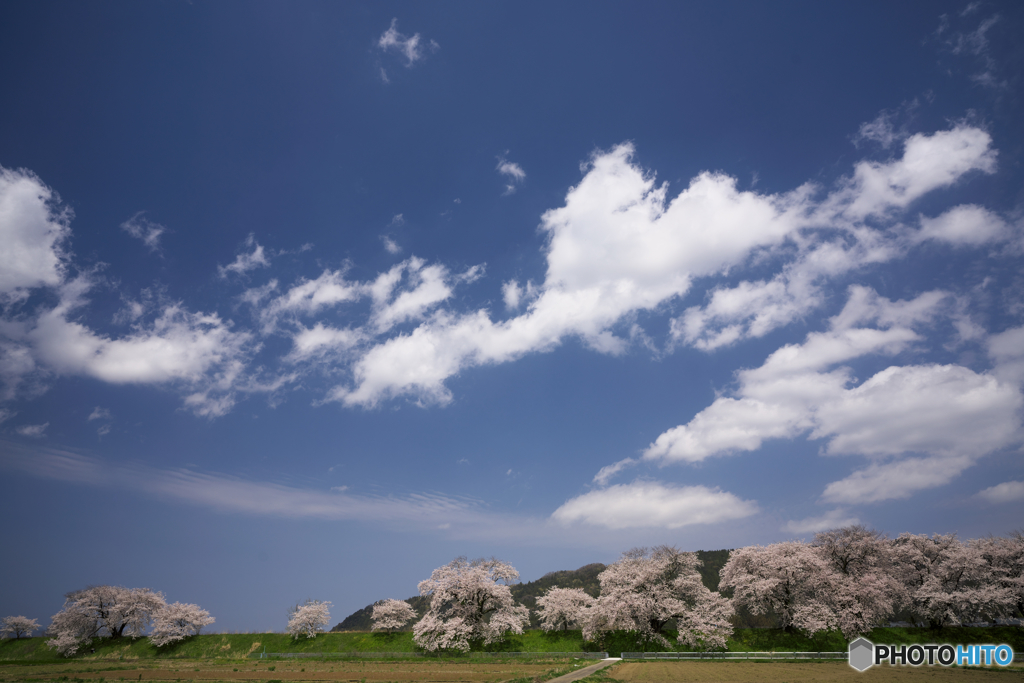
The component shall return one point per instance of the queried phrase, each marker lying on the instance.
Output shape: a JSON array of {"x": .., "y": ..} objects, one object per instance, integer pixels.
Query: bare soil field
[
  {"x": 286, "y": 670},
  {"x": 784, "y": 672}
]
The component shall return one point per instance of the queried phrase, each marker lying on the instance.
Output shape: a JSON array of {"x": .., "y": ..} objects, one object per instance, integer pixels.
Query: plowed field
[
  {"x": 780, "y": 672},
  {"x": 288, "y": 670}
]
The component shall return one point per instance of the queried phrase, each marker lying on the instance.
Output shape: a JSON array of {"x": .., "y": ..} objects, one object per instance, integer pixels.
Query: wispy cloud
[
  {"x": 33, "y": 431},
  {"x": 513, "y": 173},
  {"x": 412, "y": 48},
  {"x": 245, "y": 262},
  {"x": 830, "y": 520},
  {"x": 139, "y": 227}
]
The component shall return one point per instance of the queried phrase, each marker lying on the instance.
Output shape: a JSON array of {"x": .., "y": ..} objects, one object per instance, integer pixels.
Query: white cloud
[
  {"x": 193, "y": 349},
  {"x": 513, "y": 172},
  {"x": 429, "y": 288},
  {"x": 929, "y": 162},
  {"x": 1007, "y": 492},
  {"x": 780, "y": 399},
  {"x": 964, "y": 225},
  {"x": 99, "y": 414},
  {"x": 306, "y": 298},
  {"x": 321, "y": 341},
  {"x": 390, "y": 245},
  {"x": 1006, "y": 350},
  {"x": 834, "y": 239},
  {"x": 652, "y": 504},
  {"x": 949, "y": 412},
  {"x": 139, "y": 227},
  {"x": 243, "y": 263},
  {"x": 33, "y": 229},
  {"x": 409, "y": 47},
  {"x": 832, "y": 519},
  {"x": 880, "y": 130},
  {"x": 34, "y": 431},
  {"x": 605, "y": 474},
  {"x": 896, "y": 480},
  {"x": 617, "y": 246},
  {"x": 512, "y": 294}
]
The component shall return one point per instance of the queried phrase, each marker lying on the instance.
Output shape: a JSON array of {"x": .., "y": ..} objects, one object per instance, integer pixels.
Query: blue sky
[{"x": 303, "y": 300}]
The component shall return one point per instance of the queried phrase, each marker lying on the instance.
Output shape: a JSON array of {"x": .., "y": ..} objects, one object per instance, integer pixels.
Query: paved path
[{"x": 586, "y": 671}]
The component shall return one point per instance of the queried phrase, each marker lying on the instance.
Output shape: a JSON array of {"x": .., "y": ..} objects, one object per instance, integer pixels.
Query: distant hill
[{"x": 527, "y": 593}]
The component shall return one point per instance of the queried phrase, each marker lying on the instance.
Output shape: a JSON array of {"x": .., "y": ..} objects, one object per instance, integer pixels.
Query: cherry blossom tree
[
  {"x": 469, "y": 601},
  {"x": 860, "y": 589},
  {"x": 16, "y": 627},
  {"x": 178, "y": 621},
  {"x": 563, "y": 607},
  {"x": 391, "y": 614},
  {"x": 949, "y": 582},
  {"x": 790, "y": 579},
  {"x": 97, "y": 611},
  {"x": 1006, "y": 557},
  {"x": 309, "y": 618},
  {"x": 646, "y": 589}
]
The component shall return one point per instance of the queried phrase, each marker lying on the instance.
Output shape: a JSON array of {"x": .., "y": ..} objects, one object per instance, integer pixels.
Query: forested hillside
[{"x": 527, "y": 593}]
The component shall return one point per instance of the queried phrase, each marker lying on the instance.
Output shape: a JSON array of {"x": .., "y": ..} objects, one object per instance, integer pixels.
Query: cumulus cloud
[
  {"x": 1006, "y": 350},
  {"x": 652, "y": 504},
  {"x": 33, "y": 229},
  {"x": 390, "y": 245},
  {"x": 1007, "y": 492},
  {"x": 839, "y": 235},
  {"x": 410, "y": 47},
  {"x": 964, "y": 225},
  {"x": 832, "y": 519},
  {"x": 245, "y": 262},
  {"x": 139, "y": 227},
  {"x": 947, "y": 411}
]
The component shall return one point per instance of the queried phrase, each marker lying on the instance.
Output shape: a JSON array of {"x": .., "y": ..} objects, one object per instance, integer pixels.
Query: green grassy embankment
[{"x": 241, "y": 645}]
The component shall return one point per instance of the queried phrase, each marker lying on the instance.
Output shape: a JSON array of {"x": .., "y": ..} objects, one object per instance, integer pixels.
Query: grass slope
[{"x": 240, "y": 645}]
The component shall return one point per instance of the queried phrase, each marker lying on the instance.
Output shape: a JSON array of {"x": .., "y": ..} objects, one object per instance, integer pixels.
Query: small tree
[
  {"x": 112, "y": 611},
  {"x": 563, "y": 607},
  {"x": 391, "y": 614},
  {"x": 16, "y": 627},
  {"x": 309, "y": 618},
  {"x": 178, "y": 621},
  {"x": 469, "y": 601}
]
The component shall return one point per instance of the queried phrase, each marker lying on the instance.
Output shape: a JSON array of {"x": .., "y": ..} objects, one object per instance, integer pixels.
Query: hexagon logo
[{"x": 862, "y": 654}]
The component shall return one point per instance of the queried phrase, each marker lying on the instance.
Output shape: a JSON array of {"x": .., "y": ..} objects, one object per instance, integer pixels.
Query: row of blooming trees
[
  {"x": 850, "y": 579},
  {"x": 118, "y": 612},
  {"x": 853, "y": 579}
]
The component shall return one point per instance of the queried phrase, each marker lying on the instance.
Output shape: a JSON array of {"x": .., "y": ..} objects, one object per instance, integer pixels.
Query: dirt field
[
  {"x": 830, "y": 672},
  {"x": 284, "y": 670}
]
